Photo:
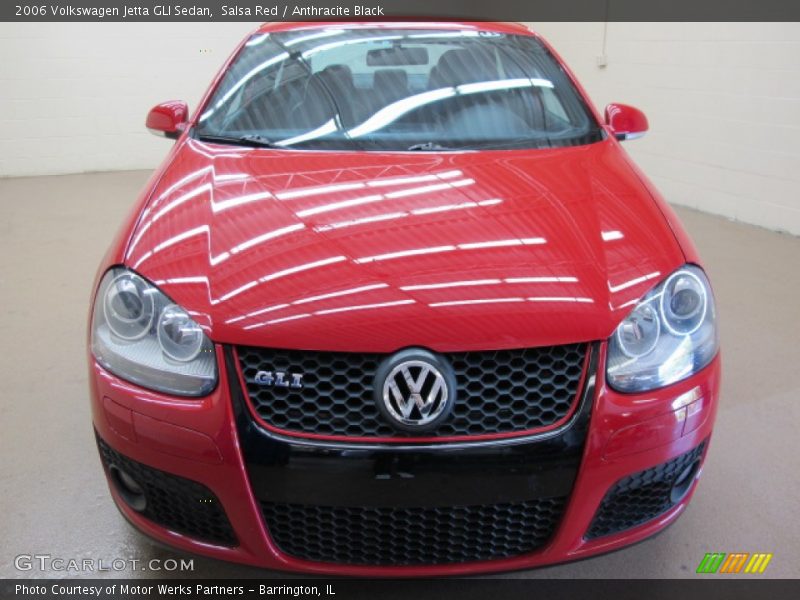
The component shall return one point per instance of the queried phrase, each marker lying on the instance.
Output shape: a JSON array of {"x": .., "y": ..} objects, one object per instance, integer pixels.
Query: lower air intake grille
[
  {"x": 412, "y": 536},
  {"x": 176, "y": 503},
  {"x": 643, "y": 496}
]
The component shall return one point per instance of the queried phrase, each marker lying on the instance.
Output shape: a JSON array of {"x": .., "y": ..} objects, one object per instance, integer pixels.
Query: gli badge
[{"x": 279, "y": 379}]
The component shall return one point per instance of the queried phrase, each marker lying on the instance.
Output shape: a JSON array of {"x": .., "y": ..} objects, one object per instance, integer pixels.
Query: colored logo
[{"x": 737, "y": 562}]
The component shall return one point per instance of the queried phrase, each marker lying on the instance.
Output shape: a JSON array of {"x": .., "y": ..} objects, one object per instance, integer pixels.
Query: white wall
[
  {"x": 74, "y": 96},
  {"x": 723, "y": 100}
]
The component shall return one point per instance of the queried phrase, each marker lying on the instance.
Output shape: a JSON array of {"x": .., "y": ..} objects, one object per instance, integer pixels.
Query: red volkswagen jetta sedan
[{"x": 398, "y": 303}]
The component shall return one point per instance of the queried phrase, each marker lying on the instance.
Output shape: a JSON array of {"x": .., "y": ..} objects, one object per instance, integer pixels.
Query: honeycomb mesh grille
[
  {"x": 501, "y": 391},
  {"x": 640, "y": 497},
  {"x": 176, "y": 503},
  {"x": 412, "y": 536}
]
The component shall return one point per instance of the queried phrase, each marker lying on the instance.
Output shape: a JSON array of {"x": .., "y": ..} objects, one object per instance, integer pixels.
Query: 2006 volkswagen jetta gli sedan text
[{"x": 399, "y": 303}]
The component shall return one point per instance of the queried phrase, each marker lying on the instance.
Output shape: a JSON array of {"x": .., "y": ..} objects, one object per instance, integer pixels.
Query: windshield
[{"x": 396, "y": 89}]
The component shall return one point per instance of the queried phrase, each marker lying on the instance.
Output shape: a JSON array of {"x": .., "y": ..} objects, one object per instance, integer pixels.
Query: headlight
[
  {"x": 141, "y": 335},
  {"x": 670, "y": 335}
]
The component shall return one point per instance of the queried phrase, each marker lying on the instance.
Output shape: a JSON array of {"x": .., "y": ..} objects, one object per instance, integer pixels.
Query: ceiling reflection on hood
[{"x": 330, "y": 311}]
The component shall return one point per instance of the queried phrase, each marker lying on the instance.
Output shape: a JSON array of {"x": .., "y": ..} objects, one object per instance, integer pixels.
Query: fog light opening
[
  {"x": 684, "y": 482},
  {"x": 130, "y": 491}
]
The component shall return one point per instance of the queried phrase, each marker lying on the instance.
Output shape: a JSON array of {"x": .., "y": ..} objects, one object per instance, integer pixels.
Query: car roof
[{"x": 493, "y": 26}]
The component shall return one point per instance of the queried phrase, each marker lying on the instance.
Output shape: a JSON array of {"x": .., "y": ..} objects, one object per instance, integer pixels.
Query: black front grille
[
  {"x": 412, "y": 536},
  {"x": 642, "y": 496},
  {"x": 176, "y": 503},
  {"x": 502, "y": 391}
]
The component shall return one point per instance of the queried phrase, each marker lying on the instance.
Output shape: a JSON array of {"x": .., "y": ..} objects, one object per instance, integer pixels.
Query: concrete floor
[{"x": 54, "y": 500}]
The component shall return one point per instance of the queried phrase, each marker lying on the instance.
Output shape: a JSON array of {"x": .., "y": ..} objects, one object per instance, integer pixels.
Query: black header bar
[{"x": 480, "y": 10}]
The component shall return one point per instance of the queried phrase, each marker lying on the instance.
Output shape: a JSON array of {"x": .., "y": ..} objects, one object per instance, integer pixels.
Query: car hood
[{"x": 373, "y": 252}]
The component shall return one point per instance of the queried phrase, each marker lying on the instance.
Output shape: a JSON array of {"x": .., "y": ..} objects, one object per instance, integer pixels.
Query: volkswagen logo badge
[{"x": 415, "y": 390}]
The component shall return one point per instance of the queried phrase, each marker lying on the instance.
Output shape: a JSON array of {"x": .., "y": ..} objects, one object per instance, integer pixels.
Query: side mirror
[
  {"x": 168, "y": 119},
  {"x": 626, "y": 122}
]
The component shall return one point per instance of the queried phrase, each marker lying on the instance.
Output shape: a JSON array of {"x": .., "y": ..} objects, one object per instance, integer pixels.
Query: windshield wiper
[
  {"x": 251, "y": 139},
  {"x": 428, "y": 147}
]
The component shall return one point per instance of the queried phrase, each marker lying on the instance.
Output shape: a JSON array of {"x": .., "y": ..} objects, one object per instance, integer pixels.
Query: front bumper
[{"x": 253, "y": 476}]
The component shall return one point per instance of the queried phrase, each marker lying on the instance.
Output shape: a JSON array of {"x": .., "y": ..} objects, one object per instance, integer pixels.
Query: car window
[{"x": 397, "y": 89}]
